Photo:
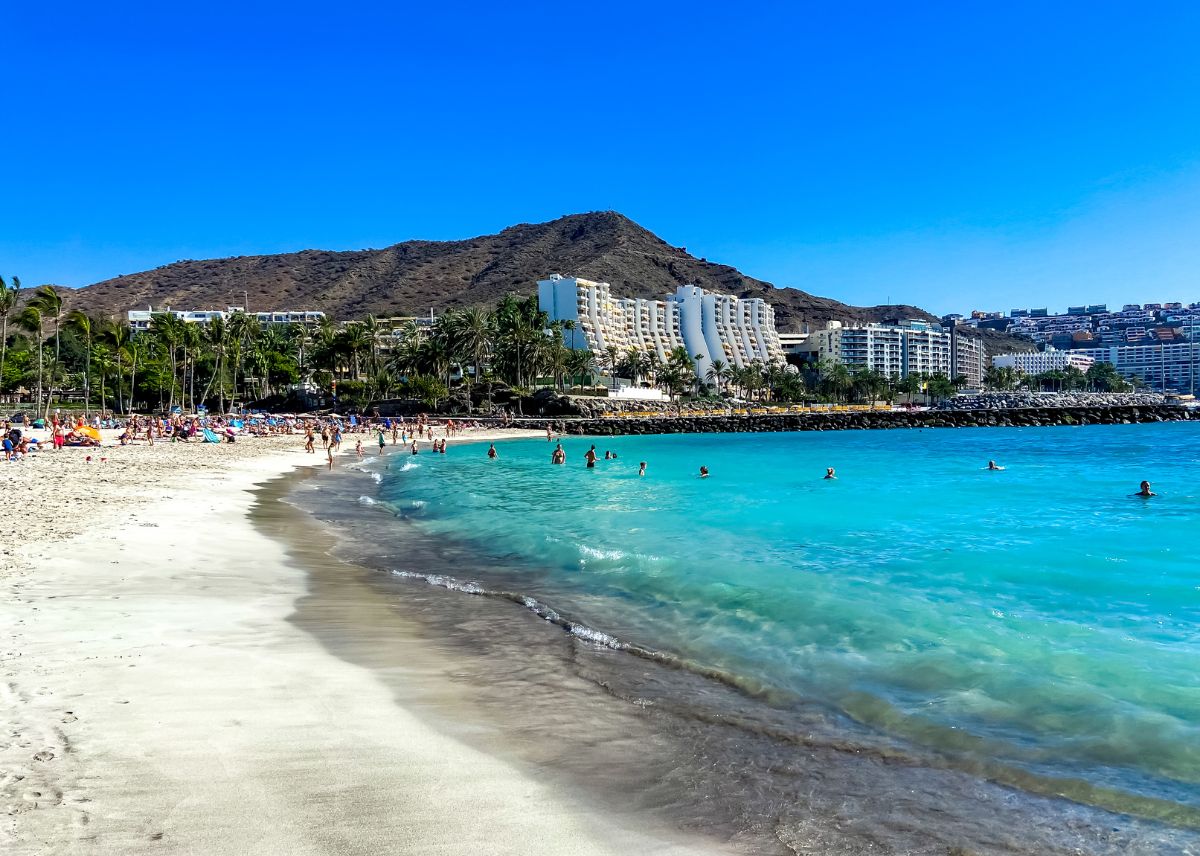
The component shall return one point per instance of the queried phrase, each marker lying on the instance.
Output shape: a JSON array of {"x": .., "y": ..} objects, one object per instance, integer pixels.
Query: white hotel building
[
  {"x": 710, "y": 326},
  {"x": 140, "y": 319},
  {"x": 1040, "y": 362},
  {"x": 900, "y": 350}
]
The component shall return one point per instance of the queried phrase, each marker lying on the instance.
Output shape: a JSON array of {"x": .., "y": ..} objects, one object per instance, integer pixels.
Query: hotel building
[
  {"x": 710, "y": 326},
  {"x": 1164, "y": 367},
  {"x": 140, "y": 319},
  {"x": 899, "y": 350},
  {"x": 1044, "y": 361}
]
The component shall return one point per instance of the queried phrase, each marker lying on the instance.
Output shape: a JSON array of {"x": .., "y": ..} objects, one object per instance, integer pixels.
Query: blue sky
[{"x": 952, "y": 155}]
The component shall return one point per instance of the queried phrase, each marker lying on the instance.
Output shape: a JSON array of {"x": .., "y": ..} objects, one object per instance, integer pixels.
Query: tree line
[{"x": 467, "y": 354}]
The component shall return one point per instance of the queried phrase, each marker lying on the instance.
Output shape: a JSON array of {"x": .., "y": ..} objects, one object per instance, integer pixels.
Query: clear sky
[{"x": 953, "y": 155}]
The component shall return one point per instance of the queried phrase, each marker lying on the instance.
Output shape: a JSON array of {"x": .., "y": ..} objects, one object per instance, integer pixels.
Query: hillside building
[
  {"x": 710, "y": 326},
  {"x": 140, "y": 319},
  {"x": 1040, "y": 362},
  {"x": 899, "y": 350}
]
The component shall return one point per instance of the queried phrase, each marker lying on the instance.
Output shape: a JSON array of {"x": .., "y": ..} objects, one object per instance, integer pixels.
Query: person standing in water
[
  {"x": 642, "y": 469},
  {"x": 558, "y": 456},
  {"x": 703, "y": 471},
  {"x": 492, "y": 453},
  {"x": 382, "y": 440},
  {"x": 590, "y": 457},
  {"x": 829, "y": 473}
]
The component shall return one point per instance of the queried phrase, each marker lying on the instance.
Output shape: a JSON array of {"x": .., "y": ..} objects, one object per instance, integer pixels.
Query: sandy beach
[{"x": 157, "y": 699}]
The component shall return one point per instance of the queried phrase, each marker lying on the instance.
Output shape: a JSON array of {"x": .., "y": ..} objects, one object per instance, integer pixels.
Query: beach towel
[{"x": 210, "y": 436}]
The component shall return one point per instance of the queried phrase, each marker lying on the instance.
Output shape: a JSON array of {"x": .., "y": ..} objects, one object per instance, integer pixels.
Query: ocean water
[{"x": 1038, "y": 626}]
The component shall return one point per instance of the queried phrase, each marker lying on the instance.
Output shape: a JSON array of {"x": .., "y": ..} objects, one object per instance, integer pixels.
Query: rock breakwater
[{"x": 879, "y": 419}]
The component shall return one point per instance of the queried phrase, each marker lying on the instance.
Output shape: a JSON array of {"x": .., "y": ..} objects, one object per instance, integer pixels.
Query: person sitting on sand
[
  {"x": 492, "y": 453},
  {"x": 1144, "y": 489},
  {"x": 830, "y": 473},
  {"x": 703, "y": 471},
  {"x": 992, "y": 466}
]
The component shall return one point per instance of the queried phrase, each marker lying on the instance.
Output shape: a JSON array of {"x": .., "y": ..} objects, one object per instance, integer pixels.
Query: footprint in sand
[{"x": 44, "y": 755}]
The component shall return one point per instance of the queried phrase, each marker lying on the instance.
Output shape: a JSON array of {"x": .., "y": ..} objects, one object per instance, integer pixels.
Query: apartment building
[
  {"x": 710, "y": 326},
  {"x": 140, "y": 319},
  {"x": 1163, "y": 367},
  {"x": 899, "y": 350},
  {"x": 1039, "y": 362}
]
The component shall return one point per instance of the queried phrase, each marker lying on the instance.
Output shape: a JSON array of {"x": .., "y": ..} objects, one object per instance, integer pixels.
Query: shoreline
[
  {"x": 490, "y": 636},
  {"x": 161, "y": 699}
]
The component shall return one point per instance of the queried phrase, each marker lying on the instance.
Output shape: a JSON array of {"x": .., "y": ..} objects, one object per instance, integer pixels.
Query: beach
[{"x": 158, "y": 698}]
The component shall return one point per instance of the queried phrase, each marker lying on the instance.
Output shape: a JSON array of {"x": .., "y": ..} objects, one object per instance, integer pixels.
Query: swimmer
[
  {"x": 830, "y": 473},
  {"x": 492, "y": 453},
  {"x": 1144, "y": 490},
  {"x": 607, "y": 455},
  {"x": 590, "y": 457},
  {"x": 992, "y": 466},
  {"x": 642, "y": 468},
  {"x": 703, "y": 471},
  {"x": 558, "y": 456}
]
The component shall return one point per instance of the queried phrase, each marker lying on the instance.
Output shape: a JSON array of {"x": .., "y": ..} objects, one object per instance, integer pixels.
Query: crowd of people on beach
[{"x": 408, "y": 433}]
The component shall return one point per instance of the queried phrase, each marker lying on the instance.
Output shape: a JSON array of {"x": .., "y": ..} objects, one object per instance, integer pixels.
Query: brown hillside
[{"x": 412, "y": 277}]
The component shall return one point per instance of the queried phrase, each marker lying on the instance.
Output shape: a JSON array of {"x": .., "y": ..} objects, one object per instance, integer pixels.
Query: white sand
[{"x": 156, "y": 700}]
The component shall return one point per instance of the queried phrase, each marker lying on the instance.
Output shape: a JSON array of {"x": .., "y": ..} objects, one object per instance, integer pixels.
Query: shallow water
[{"x": 1036, "y": 625}]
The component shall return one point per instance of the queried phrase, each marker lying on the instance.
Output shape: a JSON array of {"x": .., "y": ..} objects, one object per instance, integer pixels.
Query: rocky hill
[{"x": 413, "y": 277}]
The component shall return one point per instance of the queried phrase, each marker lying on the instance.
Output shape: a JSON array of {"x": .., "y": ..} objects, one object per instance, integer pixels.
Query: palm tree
[
  {"x": 31, "y": 319},
  {"x": 81, "y": 323},
  {"x": 474, "y": 331},
  {"x": 8, "y": 304},
  {"x": 48, "y": 304},
  {"x": 580, "y": 365},
  {"x": 717, "y": 374}
]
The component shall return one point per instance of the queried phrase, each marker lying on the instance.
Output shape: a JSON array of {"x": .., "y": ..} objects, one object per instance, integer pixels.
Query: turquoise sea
[{"x": 1038, "y": 625}]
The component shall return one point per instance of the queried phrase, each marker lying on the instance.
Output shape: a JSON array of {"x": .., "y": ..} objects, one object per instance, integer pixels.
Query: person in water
[
  {"x": 590, "y": 457},
  {"x": 492, "y": 453},
  {"x": 1144, "y": 489},
  {"x": 703, "y": 471},
  {"x": 607, "y": 455},
  {"x": 414, "y": 447},
  {"x": 992, "y": 466},
  {"x": 830, "y": 473},
  {"x": 642, "y": 468},
  {"x": 558, "y": 456}
]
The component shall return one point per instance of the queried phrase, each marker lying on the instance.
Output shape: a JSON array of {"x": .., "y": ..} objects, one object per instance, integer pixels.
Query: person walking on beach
[
  {"x": 329, "y": 456},
  {"x": 309, "y": 440},
  {"x": 382, "y": 441},
  {"x": 590, "y": 457},
  {"x": 358, "y": 448}
]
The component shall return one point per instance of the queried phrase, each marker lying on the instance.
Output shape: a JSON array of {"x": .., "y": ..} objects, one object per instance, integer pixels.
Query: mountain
[{"x": 412, "y": 277}]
